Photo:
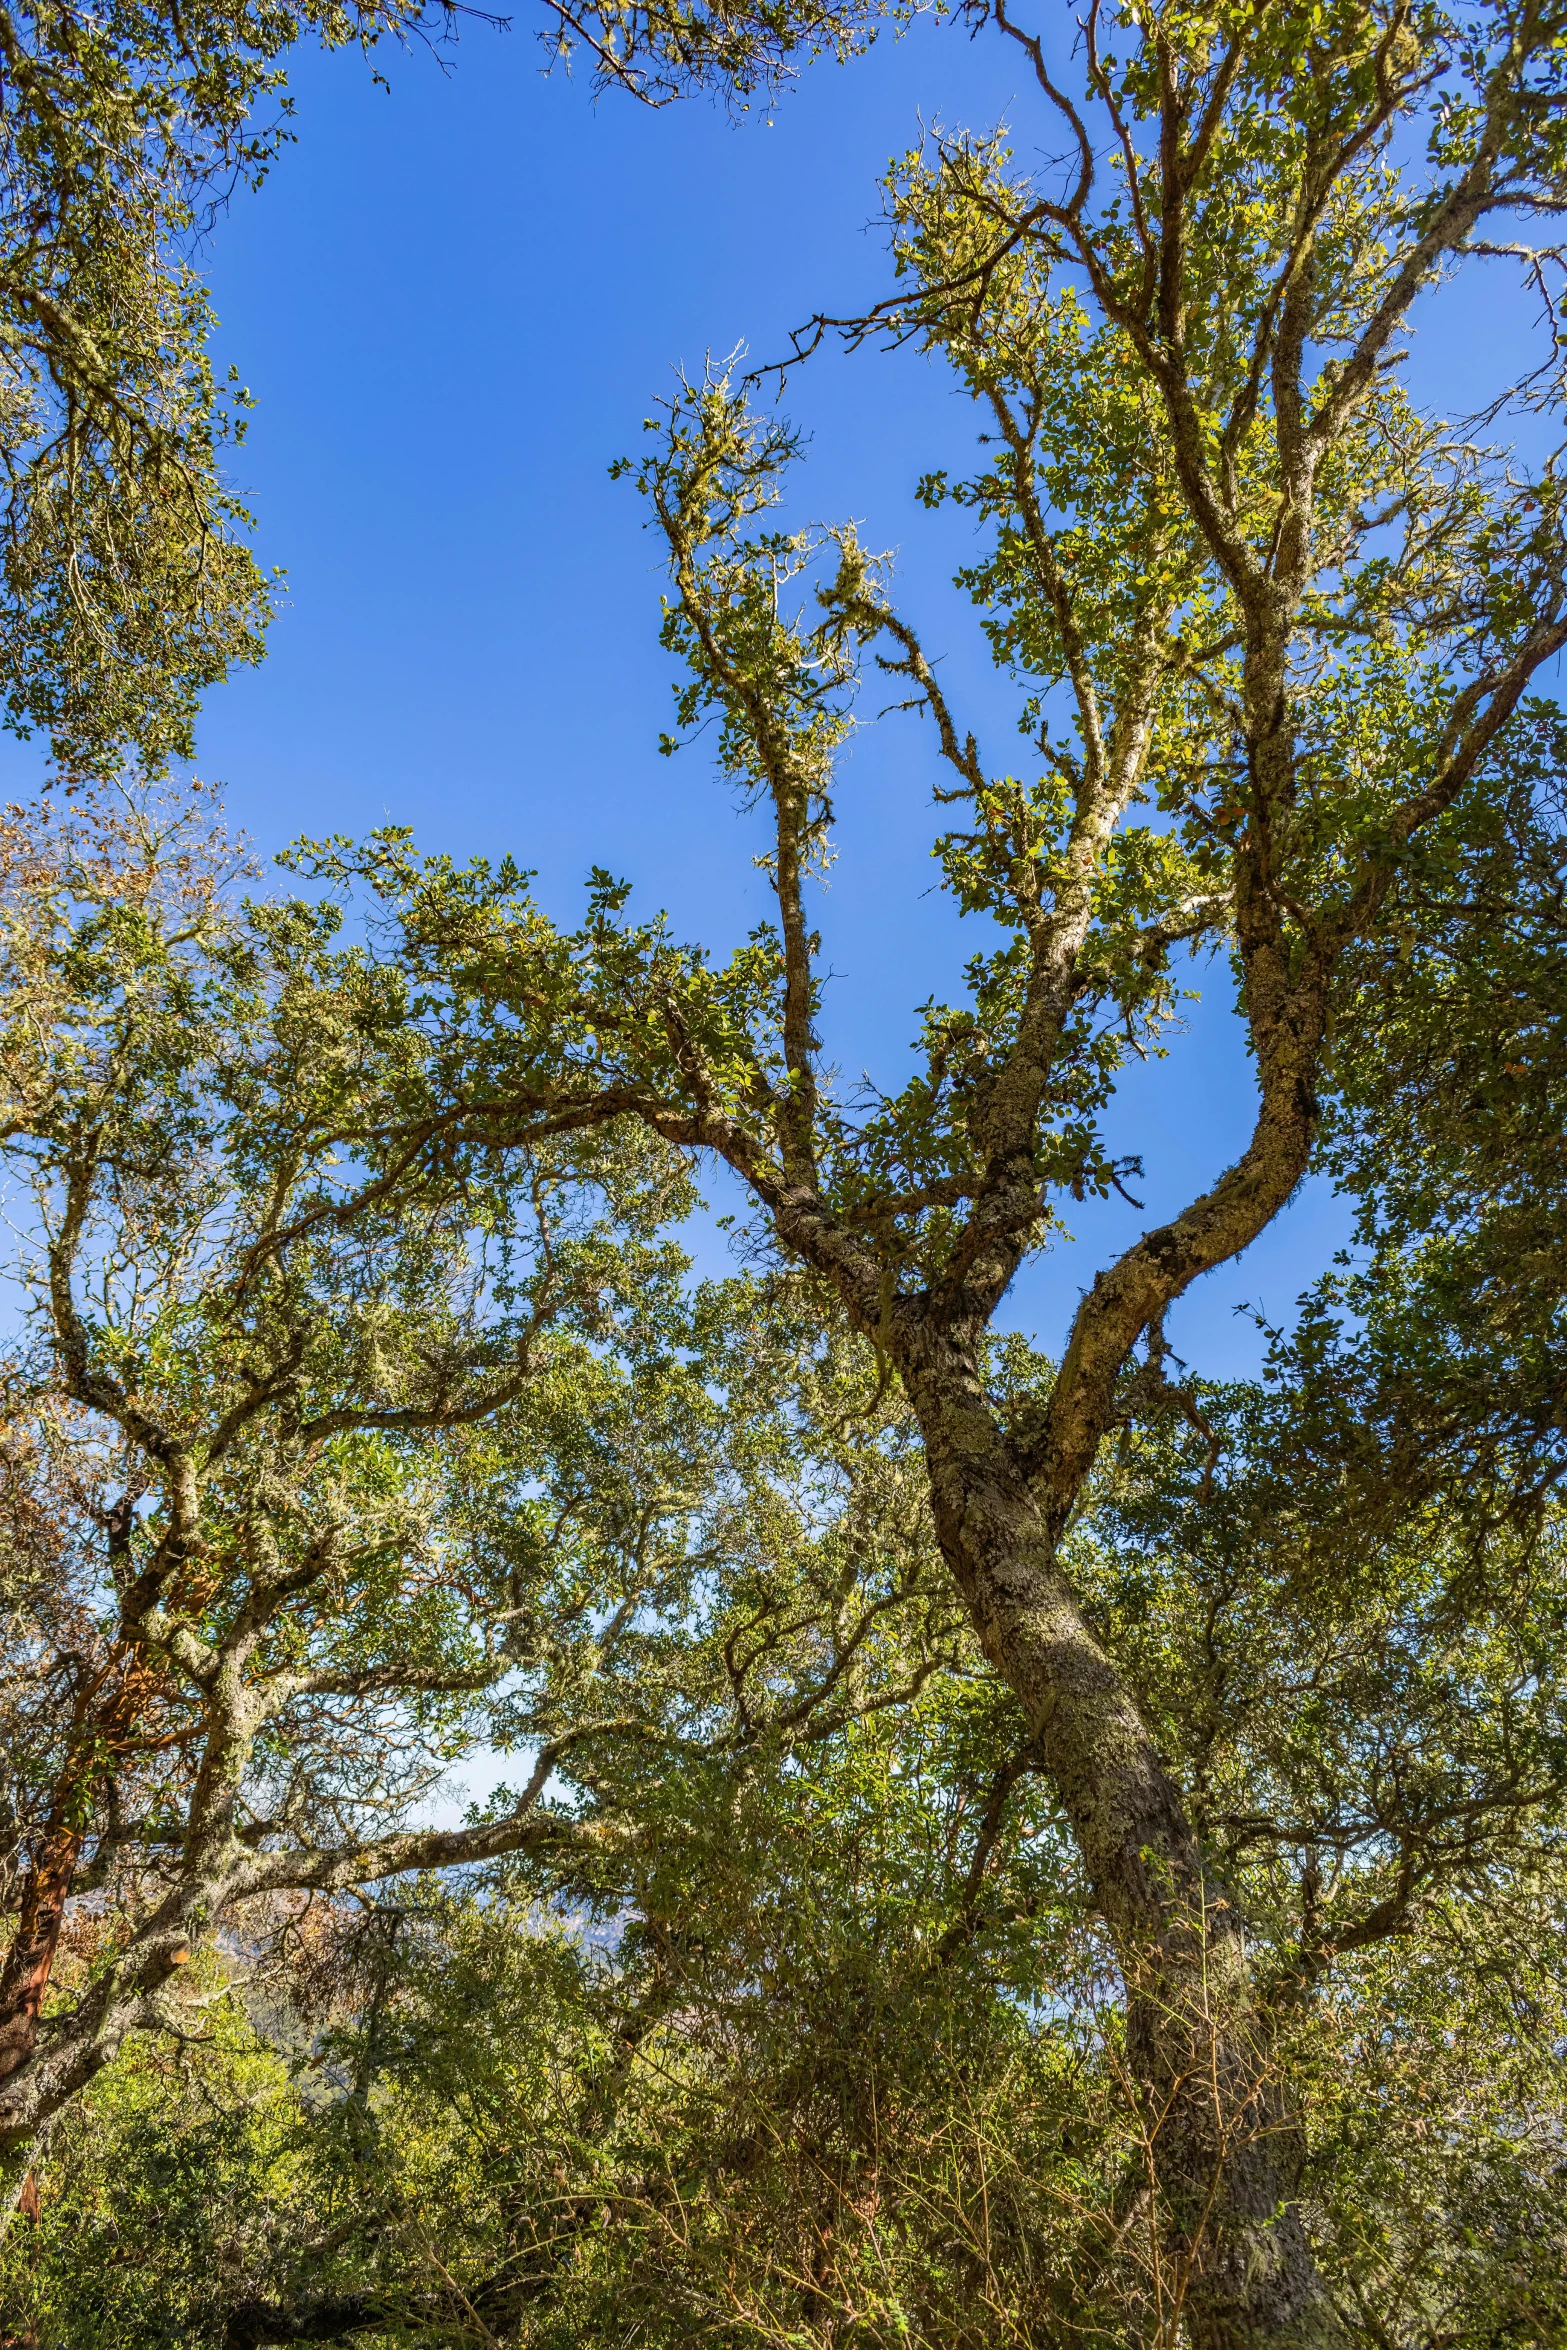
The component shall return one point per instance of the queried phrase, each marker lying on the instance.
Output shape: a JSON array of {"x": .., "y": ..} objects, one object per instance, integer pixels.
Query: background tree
[{"x": 252, "y": 1614}]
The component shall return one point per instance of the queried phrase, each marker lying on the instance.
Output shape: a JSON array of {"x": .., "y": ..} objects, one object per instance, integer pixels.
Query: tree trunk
[
  {"x": 1223, "y": 2153},
  {"x": 29, "y": 1962},
  {"x": 24, "y": 1978}
]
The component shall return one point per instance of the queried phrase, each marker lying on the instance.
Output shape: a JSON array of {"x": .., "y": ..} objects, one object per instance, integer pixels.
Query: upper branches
[
  {"x": 730, "y": 48},
  {"x": 1236, "y": 572}
]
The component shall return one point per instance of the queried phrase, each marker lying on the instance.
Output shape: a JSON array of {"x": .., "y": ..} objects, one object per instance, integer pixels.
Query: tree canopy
[{"x": 1008, "y": 1846}]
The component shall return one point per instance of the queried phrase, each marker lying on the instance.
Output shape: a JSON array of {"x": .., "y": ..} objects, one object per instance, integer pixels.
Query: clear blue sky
[{"x": 454, "y": 304}]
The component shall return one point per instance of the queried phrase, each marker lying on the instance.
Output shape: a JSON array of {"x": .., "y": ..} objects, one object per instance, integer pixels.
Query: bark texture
[{"x": 1219, "y": 2142}]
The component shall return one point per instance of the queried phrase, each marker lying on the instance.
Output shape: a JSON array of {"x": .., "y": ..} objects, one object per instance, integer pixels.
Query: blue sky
[{"x": 454, "y": 303}]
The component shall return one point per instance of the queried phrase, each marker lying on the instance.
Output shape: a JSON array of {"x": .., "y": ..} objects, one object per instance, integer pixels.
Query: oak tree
[{"x": 1271, "y": 620}]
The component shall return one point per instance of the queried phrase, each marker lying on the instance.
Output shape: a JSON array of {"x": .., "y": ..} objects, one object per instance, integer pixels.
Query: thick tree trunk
[{"x": 1223, "y": 2155}]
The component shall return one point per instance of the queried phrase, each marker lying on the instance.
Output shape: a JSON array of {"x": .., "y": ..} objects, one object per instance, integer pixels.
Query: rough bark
[{"x": 1220, "y": 2148}]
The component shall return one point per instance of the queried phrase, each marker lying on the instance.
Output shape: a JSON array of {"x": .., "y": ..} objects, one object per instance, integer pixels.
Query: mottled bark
[{"x": 1220, "y": 2149}]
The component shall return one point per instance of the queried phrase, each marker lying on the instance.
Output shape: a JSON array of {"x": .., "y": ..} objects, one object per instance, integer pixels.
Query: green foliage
[
  {"x": 1005, "y": 1851},
  {"x": 831, "y": 2051},
  {"x": 184, "y": 2169}
]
